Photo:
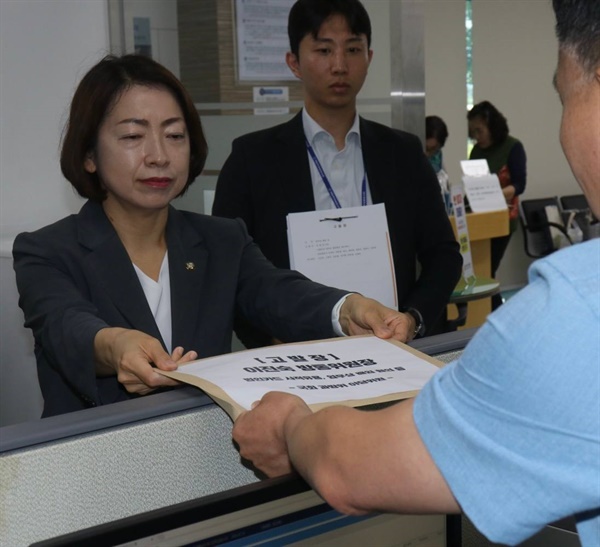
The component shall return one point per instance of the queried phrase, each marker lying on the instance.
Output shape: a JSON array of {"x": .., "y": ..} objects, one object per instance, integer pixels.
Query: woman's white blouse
[{"x": 158, "y": 295}]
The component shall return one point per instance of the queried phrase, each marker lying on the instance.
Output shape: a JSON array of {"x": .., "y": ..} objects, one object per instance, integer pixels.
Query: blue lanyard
[{"x": 326, "y": 182}]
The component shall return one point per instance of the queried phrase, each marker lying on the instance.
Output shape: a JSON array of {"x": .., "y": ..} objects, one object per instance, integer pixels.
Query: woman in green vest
[{"x": 506, "y": 158}]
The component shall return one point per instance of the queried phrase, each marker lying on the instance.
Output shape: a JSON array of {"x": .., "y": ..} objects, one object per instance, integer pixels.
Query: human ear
[
  {"x": 89, "y": 164},
  {"x": 292, "y": 61}
]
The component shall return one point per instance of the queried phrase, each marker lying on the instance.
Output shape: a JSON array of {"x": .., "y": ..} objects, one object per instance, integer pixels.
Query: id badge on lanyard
[{"x": 327, "y": 184}]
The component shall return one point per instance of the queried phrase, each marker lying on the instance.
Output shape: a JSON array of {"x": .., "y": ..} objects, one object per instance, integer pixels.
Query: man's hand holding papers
[
  {"x": 360, "y": 315},
  {"x": 270, "y": 430}
]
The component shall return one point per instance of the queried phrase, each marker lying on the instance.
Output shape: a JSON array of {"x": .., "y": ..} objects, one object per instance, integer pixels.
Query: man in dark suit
[{"x": 327, "y": 156}]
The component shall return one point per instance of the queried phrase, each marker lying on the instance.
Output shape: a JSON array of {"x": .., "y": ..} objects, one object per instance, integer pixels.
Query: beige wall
[{"x": 514, "y": 57}]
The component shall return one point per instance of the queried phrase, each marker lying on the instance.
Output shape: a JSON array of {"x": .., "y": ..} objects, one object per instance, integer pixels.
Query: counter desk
[{"x": 162, "y": 465}]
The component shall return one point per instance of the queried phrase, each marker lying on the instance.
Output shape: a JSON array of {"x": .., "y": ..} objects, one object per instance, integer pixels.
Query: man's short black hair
[
  {"x": 307, "y": 16},
  {"x": 578, "y": 30}
]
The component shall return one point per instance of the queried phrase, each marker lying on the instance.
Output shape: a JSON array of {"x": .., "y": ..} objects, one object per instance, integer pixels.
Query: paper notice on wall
[
  {"x": 271, "y": 96},
  {"x": 262, "y": 40}
]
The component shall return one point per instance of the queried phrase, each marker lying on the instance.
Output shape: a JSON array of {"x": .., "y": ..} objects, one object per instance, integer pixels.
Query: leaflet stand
[{"x": 470, "y": 287}]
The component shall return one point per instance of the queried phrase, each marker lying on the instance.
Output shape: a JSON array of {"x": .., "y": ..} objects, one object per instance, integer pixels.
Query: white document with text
[
  {"x": 482, "y": 188},
  {"x": 347, "y": 248},
  {"x": 353, "y": 370}
]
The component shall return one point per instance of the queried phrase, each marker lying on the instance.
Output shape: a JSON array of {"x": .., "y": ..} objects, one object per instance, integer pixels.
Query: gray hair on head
[{"x": 578, "y": 30}]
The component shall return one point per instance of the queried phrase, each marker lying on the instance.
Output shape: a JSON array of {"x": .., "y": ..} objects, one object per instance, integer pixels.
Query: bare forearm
[
  {"x": 320, "y": 454},
  {"x": 359, "y": 461},
  {"x": 362, "y": 461}
]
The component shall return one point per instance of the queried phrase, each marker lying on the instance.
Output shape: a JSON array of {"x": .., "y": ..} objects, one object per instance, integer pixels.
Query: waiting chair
[
  {"x": 541, "y": 221},
  {"x": 576, "y": 202},
  {"x": 577, "y": 207}
]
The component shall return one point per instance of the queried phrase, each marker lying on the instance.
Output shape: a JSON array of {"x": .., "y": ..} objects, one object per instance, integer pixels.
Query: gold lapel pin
[{"x": 189, "y": 266}]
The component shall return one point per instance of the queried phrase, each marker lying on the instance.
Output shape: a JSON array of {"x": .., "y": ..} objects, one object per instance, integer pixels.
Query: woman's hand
[
  {"x": 180, "y": 358},
  {"x": 131, "y": 354},
  {"x": 509, "y": 193}
]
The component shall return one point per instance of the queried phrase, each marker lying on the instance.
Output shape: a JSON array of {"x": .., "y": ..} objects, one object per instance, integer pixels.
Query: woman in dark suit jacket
[{"x": 129, "y": 282}]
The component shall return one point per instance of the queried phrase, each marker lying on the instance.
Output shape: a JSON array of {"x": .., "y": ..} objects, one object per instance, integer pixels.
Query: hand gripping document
[
  {"x": 347, "y": 248},
  {"x": 351, "y": 371}
]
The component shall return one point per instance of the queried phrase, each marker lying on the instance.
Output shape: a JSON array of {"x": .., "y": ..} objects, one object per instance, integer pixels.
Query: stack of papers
[
  {"x": 482, "y": 188},
  {"x": 347, "y": 248}
]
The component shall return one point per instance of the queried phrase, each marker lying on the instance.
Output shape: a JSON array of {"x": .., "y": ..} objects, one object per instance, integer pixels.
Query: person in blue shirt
[{"x": 510, "y": 432}]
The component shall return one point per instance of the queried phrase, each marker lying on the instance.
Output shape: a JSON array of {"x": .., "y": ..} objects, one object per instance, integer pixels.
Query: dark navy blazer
[{"x": 75, "y": 278}]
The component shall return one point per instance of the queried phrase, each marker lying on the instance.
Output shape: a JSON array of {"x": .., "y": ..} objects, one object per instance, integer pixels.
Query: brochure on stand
[
  {"x": 462, "y": 230},
  {"x": 351, "y": 371},
  {"x": 482, "y": 188},
  {"x": 347, "y": 248}
]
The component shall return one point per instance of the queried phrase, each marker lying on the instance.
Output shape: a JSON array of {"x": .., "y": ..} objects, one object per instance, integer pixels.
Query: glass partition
[{"x": 198, "y": 41}]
